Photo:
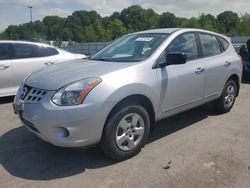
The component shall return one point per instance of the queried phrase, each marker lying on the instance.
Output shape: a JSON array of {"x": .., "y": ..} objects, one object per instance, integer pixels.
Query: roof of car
[
  {"x": 163, "y": 30},
  {"x": 171, "y": 30},
  {"x": 22, "y": 42}
]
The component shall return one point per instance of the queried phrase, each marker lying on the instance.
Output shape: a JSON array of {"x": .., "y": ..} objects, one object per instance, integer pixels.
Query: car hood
[
  {"x": 56, "y": 76},
  {"x": 79, "y": 56}
]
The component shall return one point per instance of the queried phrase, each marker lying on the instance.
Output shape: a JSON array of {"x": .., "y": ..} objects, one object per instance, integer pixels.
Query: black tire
[
  {"x": 108, "y": 142},
  {"x": 220, "y": 104}
]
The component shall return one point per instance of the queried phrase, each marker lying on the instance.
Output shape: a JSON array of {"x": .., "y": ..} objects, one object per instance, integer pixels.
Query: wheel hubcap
[
  {"x": 129, "y": 131},
  {"x": 230, "y": 96}
]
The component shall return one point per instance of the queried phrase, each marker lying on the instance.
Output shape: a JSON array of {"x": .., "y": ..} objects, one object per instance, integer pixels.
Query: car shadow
[
  {"x": 24, "y": 155},
  {"x": 175, "y": 123},
  {"x": 4, "y": 100}
]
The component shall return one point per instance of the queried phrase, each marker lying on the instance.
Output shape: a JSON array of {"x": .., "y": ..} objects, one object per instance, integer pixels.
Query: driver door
[{"x": 182, "y": 85}]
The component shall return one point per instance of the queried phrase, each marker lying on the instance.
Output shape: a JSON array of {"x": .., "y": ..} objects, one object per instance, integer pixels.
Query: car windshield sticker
[{"x": 144, "y": 39}]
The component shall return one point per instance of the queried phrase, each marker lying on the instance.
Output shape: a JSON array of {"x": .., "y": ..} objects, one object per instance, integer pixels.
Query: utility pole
[{"x": 30, "y": 7}]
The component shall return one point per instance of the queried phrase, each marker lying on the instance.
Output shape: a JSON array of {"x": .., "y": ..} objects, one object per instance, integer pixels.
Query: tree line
[{"x": 89, "y": 26}]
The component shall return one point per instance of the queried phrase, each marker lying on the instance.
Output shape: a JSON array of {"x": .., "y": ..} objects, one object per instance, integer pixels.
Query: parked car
[
  {"x": 115, "y": 97},
  {"x": 242, "y": 50},
  {"x": 237, "y": 46},
  {"x": 18, "y": 59}
]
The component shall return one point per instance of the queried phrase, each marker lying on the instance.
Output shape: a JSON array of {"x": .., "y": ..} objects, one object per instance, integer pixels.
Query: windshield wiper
[{"x": 100, "y": 59}]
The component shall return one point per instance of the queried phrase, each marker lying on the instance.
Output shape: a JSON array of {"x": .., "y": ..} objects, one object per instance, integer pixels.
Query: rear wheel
[
  {"x": 225, "y": 103},
  {"x": 126, "y": 132}
]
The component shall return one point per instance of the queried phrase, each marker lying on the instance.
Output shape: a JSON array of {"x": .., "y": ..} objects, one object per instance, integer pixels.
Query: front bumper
[{"x": 65, "y": 126}]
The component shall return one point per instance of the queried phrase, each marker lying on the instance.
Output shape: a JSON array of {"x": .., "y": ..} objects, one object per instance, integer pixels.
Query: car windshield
[{"x": 131, "y": 48}]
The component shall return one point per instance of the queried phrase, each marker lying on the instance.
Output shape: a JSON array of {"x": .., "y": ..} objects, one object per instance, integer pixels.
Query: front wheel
[
  {"x": 126, "y": 132},
  {"x": 225, "y": 103}
]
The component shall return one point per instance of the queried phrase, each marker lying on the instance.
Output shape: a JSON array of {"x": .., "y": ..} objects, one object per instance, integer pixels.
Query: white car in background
[{"x": 19, "y": 58}]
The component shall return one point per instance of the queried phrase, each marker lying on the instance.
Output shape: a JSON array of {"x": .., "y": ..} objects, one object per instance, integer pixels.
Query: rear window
[
  {"x": 224, "y": 43},
  {"x": 32, "y": 51},
  {"x": 209, "y": 45},
  {"x": 46, "y": 51},
  {"x": 4, "y": 51}
]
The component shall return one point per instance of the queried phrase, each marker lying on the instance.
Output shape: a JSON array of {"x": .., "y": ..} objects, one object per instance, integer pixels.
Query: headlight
[{"x": 75, "y": 93}]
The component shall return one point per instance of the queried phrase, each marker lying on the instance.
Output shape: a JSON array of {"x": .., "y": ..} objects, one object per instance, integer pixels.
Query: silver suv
[{"x": 114, "y": 98}]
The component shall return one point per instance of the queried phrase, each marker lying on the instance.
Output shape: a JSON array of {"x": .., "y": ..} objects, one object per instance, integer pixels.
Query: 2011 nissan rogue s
[{"x": 114, "y": 98}]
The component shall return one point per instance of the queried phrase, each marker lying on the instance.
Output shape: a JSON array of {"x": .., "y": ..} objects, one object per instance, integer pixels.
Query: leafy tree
[
  {"x": 168, "y": 20},
  {"x": 89, "y": 26},
  {"x": 90, "y": 34},
  {"x": 58, "y": 42},
  {"x": 54, "y": 26},
  {"x": 71, "y": 43},
  {"x": 244, "y": 25},
  {"x": 67, "y": 34},
  {"x": 190, "y": 23},
  {"x": 135, "y": 18},
  {"x": 228, "y": 21},
  {"x": 116, "y": 29},
  {"x": 208, "y": 21}
]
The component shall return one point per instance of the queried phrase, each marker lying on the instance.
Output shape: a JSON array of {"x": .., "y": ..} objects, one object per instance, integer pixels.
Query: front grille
[
  {"x": 29, "y": 94},
  {"x": 35, "y": 95}
]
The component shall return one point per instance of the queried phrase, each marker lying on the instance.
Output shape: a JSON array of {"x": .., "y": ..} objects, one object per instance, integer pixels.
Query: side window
[
  {"x": 5, "y": 52},
  {"x": 209, "y": 45},
  {"x": 25, "y": 51},
  {"x": 224, "y": 43},
  {"x": 185, "y": 43},
  {"x": 46, "y": 51},
  {"x": 32, "y": 50}
]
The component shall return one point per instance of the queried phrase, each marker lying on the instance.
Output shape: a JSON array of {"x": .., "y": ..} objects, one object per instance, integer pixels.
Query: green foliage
[
  {"x": 58, "y": 42},
  {"x": 115, "y": 29},
  {"x": 168, "y": 19},
  {"x": 228, "y": 22},
  {"x": 244, "y": 25},
  {"x": 136, "y": 18},
  {"x": 89, "y": 26},
  {"x": 208, "y": 21}
]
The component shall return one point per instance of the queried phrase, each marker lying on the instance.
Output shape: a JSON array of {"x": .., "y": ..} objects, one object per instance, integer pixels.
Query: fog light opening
[
  {"x": 66, "y": 133},
  {"x": 63, "y": 132}
]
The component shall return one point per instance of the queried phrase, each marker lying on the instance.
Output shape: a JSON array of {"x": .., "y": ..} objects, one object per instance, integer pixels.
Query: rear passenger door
[
  {"x": 29, "y": 58},
  {"x": 216, "y": 64},
  {"x": 6, "y": 79}
]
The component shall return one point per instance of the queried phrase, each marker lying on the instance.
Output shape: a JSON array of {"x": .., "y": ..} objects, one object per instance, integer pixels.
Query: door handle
[
  {"x": 3, "y": 67},
  {"x": 227, "y": 64},
  {"x": 199, "y": 70},
  {"x": 49, "y": 63}
]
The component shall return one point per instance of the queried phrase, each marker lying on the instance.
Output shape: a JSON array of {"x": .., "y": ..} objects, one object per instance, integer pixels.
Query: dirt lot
[{"x": 194, "y": 149}]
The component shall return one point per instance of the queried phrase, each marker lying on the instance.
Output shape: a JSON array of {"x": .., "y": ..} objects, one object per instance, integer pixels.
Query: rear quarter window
[
  {"x": 224, "y": 43},
  {"x": 209, "y": 45},
  {"x": 46, "y": 51}
]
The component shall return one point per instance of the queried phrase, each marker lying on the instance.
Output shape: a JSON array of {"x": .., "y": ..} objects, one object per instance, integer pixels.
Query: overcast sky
[{"x": 16, "y": 11}]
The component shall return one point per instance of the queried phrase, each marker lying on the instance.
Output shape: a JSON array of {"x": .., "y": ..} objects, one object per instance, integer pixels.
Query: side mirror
[{"x": 174, "y": 58}]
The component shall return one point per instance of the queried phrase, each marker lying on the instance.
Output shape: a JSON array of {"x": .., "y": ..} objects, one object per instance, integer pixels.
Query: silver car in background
[
  {"x": 115, "y": 97},
  {"x": 19, "y": 58}
]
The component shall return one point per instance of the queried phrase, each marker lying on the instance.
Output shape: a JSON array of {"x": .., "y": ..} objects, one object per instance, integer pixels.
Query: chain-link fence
[{"x": 86, "y": 48}]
